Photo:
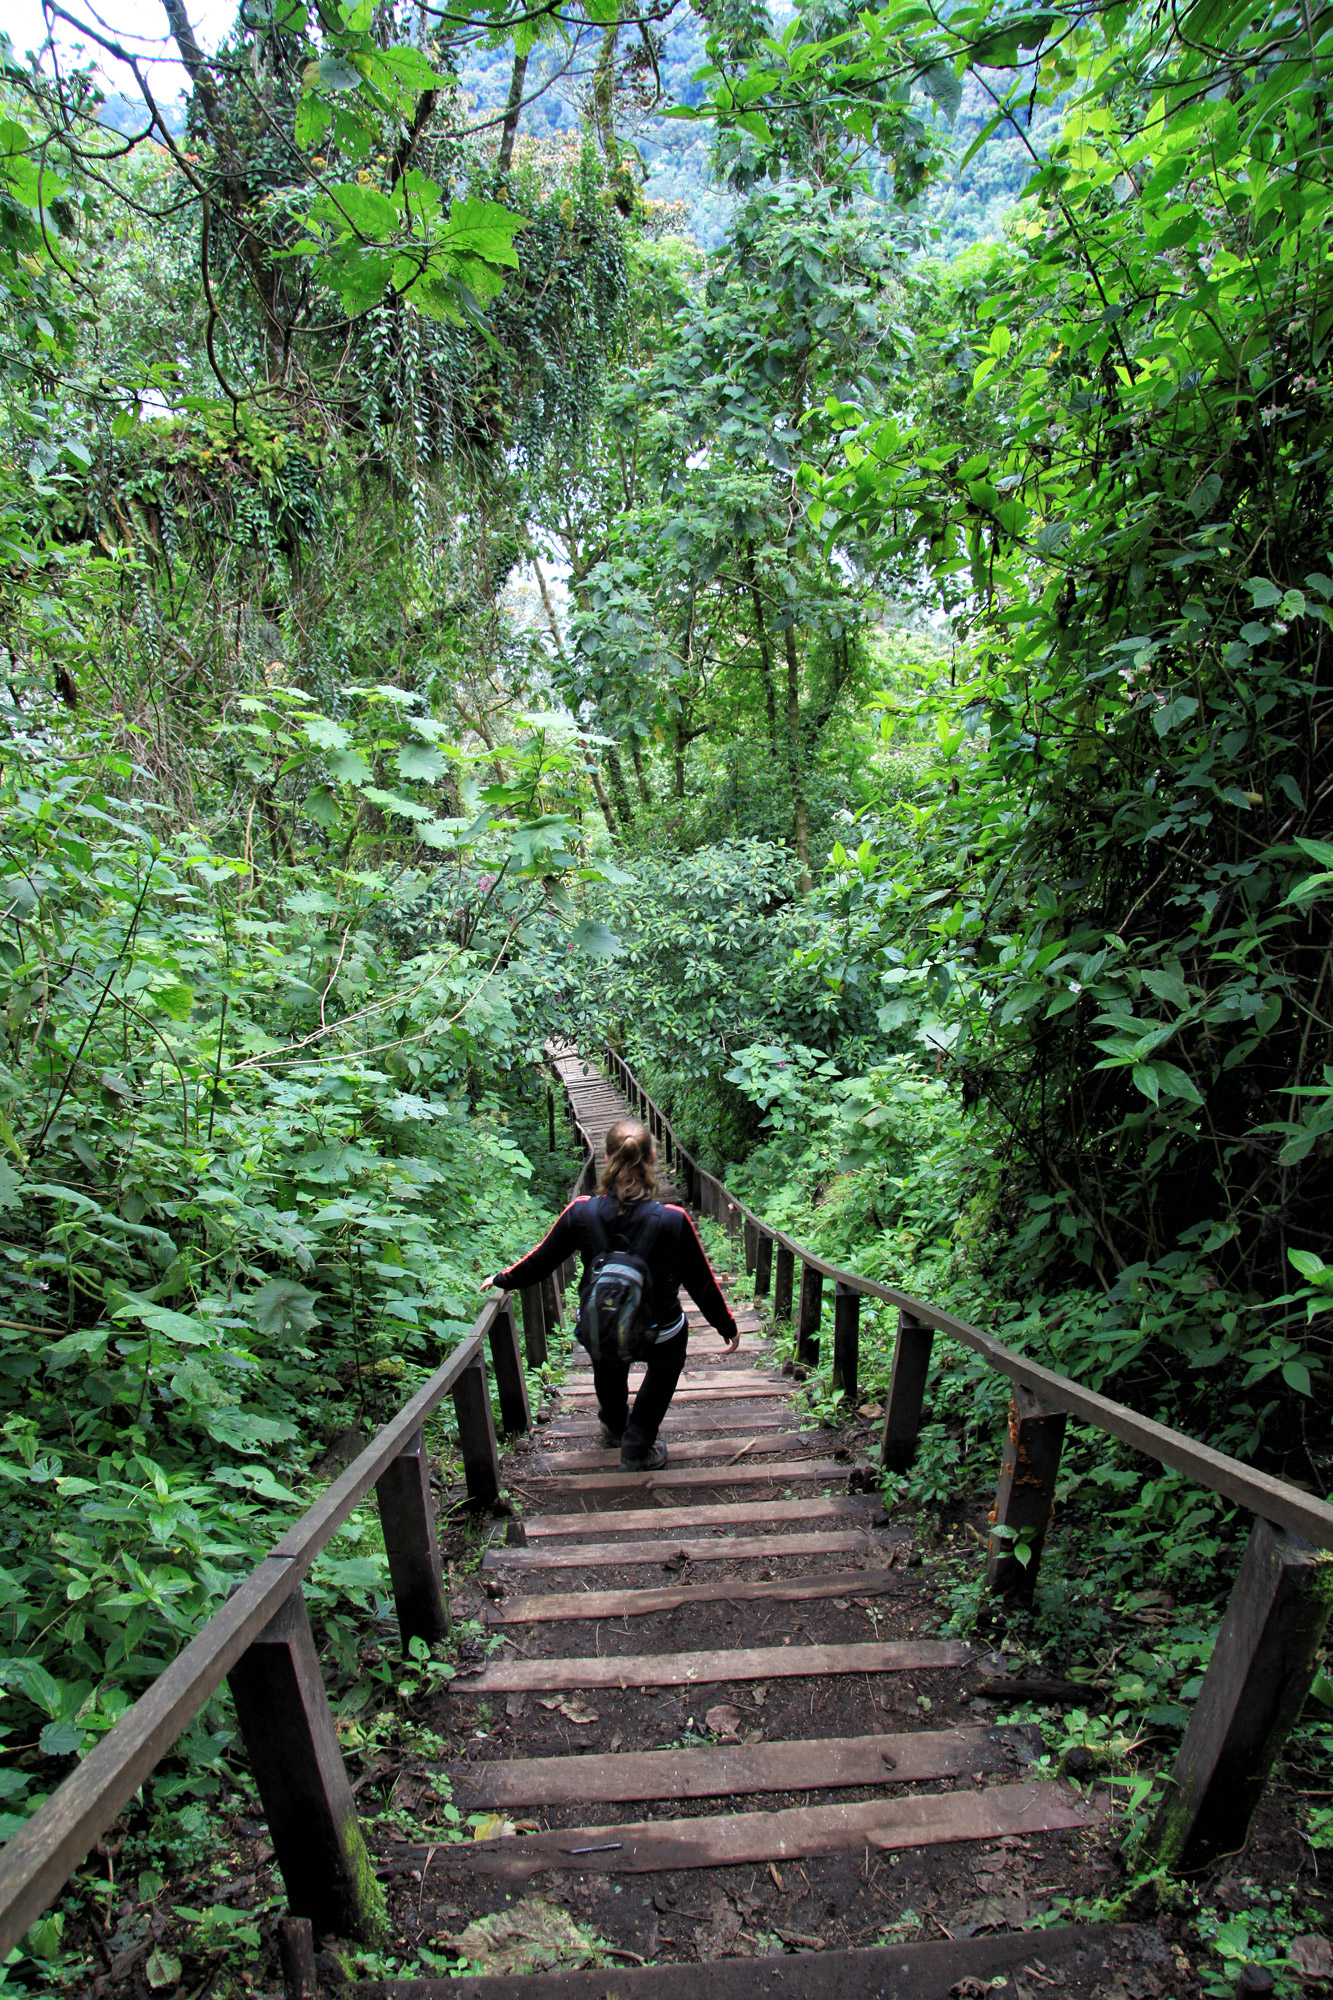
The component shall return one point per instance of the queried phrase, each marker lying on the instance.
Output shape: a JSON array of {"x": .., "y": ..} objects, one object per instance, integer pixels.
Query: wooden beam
[
  {"x": 763, "y": 1265},
  {"x": 734, "y": 1663},
  {"x": 407, "y": 1517},
  {"x": 710, "y": 1548},
  {"x": 562, "y": 1606},
  {"x": 796, "y": 1834},
  {"x": 930, "y": 1971},
  {"x": 783, "y": 1281},
  {"x": 1025, "y": 1499},
  {"x": 907, "y": 1393},
  {"x": 534, "y": 1325},
  {"x": 292, "y": 1747},
  {"x": 596, "y": 1526},
  {"x": 807, "y": 1325},
  {"x": 743, "y": 1770},
  {"x": 511, "y": 1382},
  {"x": 846, "y": 1340},
  {"x": 784, "y": 1472},
  {"x": 476, "y": 1433},
  {"x": 1252, "y": 1694},
  {"x": 715, "y": 1419}
]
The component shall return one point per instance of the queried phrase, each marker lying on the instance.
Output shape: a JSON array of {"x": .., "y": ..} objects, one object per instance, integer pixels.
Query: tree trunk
[
  {"x": 509, "y": 130},
  {"x": 797, "y": 774},
  {"x": 603, "y": 802},
  {"x": 765, "y": 652},
  {"x": 642, "y": 781},
  {"x": 617, "y": 777},
  {"x": 681, "y": 740}
]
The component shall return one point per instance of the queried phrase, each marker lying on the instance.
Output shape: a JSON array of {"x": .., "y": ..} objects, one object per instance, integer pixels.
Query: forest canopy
[{"x": 796, "y": 542}]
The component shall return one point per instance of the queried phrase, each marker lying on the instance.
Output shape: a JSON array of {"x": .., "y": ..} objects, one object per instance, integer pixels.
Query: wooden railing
[
  {"x": 1267, "y": 1649},
  {"x": 261, "y": 1643}
]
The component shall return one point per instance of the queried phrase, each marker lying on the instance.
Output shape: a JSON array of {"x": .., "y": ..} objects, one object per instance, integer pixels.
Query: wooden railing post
[
  {"x": 476, "y": 1433},
  {"x": 812, "y": 1305},
  {"x": 1025, "y": 1499},
  {"x": 846, "y": 1338},
  {"x": 783, "y": 1280},
  {"x": 751, "y": 1235},
  {"x": 407, "y": 1517},
  {"x": 511, "y": 1382},
  {"x": 689, "y": 1181},
  {"x": 292, "y": 1745},
  {"x": 1252, "y": 1694},
  {"x": 534, "y": 1325},
  {"x": 907, "y": 1393},
  {"x": 553, "y": 1306},
  {"x": 763, "y": 1264}
]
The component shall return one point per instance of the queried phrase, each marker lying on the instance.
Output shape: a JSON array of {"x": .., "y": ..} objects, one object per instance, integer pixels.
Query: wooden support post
[
  {"x": 296, "y": 1955},
  {"x": 476, "y": 1433},
  {"x": 407, "y": 1516},
  {"x": 689, "y": 1182},
  {"x": 763, "y": 1264},
  {"x": 907, "y": 1393},
  {"x": 534, "y": 1325},
  {"x": 846, "y": 1338},
  {"x": 511, "y": 1383},
  {"x": 1025, "y": 1499},
  {"x": 553, "y": 1305},
  {"x": 292, "y": 1744},
  {"x": 751, "y": 1245},
  {"x": 783, "y": 1279},
  {"x": 1252, "y": 1694},
  {"x": 807, "y": 1324}
]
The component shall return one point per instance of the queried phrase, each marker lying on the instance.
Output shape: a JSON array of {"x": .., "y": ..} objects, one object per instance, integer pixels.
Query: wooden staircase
[{"x": 733, "y": 1744}]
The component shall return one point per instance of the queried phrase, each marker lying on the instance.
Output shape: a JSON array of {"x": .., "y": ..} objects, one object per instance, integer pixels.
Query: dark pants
[{"x": 638, "y": 1428}]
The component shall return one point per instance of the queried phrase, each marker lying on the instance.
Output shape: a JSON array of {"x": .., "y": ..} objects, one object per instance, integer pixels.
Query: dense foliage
[{"x": 884, "y": 691}]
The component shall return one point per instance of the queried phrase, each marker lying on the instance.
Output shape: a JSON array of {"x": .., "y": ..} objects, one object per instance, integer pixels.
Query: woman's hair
[{"x": 628, "y": 1173}]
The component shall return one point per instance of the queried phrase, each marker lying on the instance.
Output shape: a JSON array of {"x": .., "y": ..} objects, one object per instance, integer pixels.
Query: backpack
[{"x": 616, "y": 1310}]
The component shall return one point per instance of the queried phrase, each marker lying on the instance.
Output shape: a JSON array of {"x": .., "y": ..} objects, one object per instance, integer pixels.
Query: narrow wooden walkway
[{"x": 712, "y": 1688}]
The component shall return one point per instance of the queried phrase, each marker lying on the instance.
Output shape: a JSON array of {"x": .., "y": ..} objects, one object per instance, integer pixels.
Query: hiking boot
[
  {"x": 650, "y": 1460},
  {"x": 610, "y": 1439}
]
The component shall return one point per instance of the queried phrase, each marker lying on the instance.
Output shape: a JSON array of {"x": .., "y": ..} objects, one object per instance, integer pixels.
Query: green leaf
[
  {"x": 162, "y": 1968},
  {"x": 1296, "y": 1376},
  {"x": 596, "y": 940},
  {"x": 1311, "y": 1267},
  {"x": 421, "y": 762},
  {"x": 282, "y": 1308}
]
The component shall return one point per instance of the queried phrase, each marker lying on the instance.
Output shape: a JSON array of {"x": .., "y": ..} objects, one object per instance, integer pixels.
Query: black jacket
[{"x": 676, "y": 1258}]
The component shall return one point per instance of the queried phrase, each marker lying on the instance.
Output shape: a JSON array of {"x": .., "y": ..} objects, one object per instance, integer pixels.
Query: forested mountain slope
[{"x": 919, "y": 764}]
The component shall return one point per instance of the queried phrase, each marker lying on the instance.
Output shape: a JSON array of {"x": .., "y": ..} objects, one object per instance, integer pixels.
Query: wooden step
[
  {"x": 670, "y": 1520},
  {"x": 683, "y": 1423},
  {"x": 560, "y": 1606},
  {"x": 796, "y": 1833},
  {"x": 930, "y": 1971},
  {"x": 737, "y": 1663},
  {"x": 755, "y": 1392},
  {"x": 734, "y": 1771},
  {"x": 778, "y": 1473},
  {"x": 683, "y": 1452},
  {"x": 711, "y": 1548}
]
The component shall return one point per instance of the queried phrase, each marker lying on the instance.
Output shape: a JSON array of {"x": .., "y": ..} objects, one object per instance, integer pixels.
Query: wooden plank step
[
  {"x": 559, "y": 1606},
  {"x": 710, "y": 1548},
  {"x": 682, "y": 1422},
  {"x": 795, "y": 1833},
  {"x": 930, "y": 1971},
  {"x": 693, "y": 1397},
  {"x": 735, "y": 1771},
  {"x": 667, "y": 1520},
  {"x": 737, "y": 1663},
  {"x": 745, "y": 1473},
  {"x": 685, "y": 1451}
]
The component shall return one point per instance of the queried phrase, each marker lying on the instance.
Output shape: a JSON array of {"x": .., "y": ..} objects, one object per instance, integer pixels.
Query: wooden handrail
[
  {"x": 1273, "y": 1499},
  {"x": 38, "y": 1860}
]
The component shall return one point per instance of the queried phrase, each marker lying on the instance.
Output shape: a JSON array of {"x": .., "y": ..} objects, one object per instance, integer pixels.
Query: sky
[{"x": 140, "y": 25}]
